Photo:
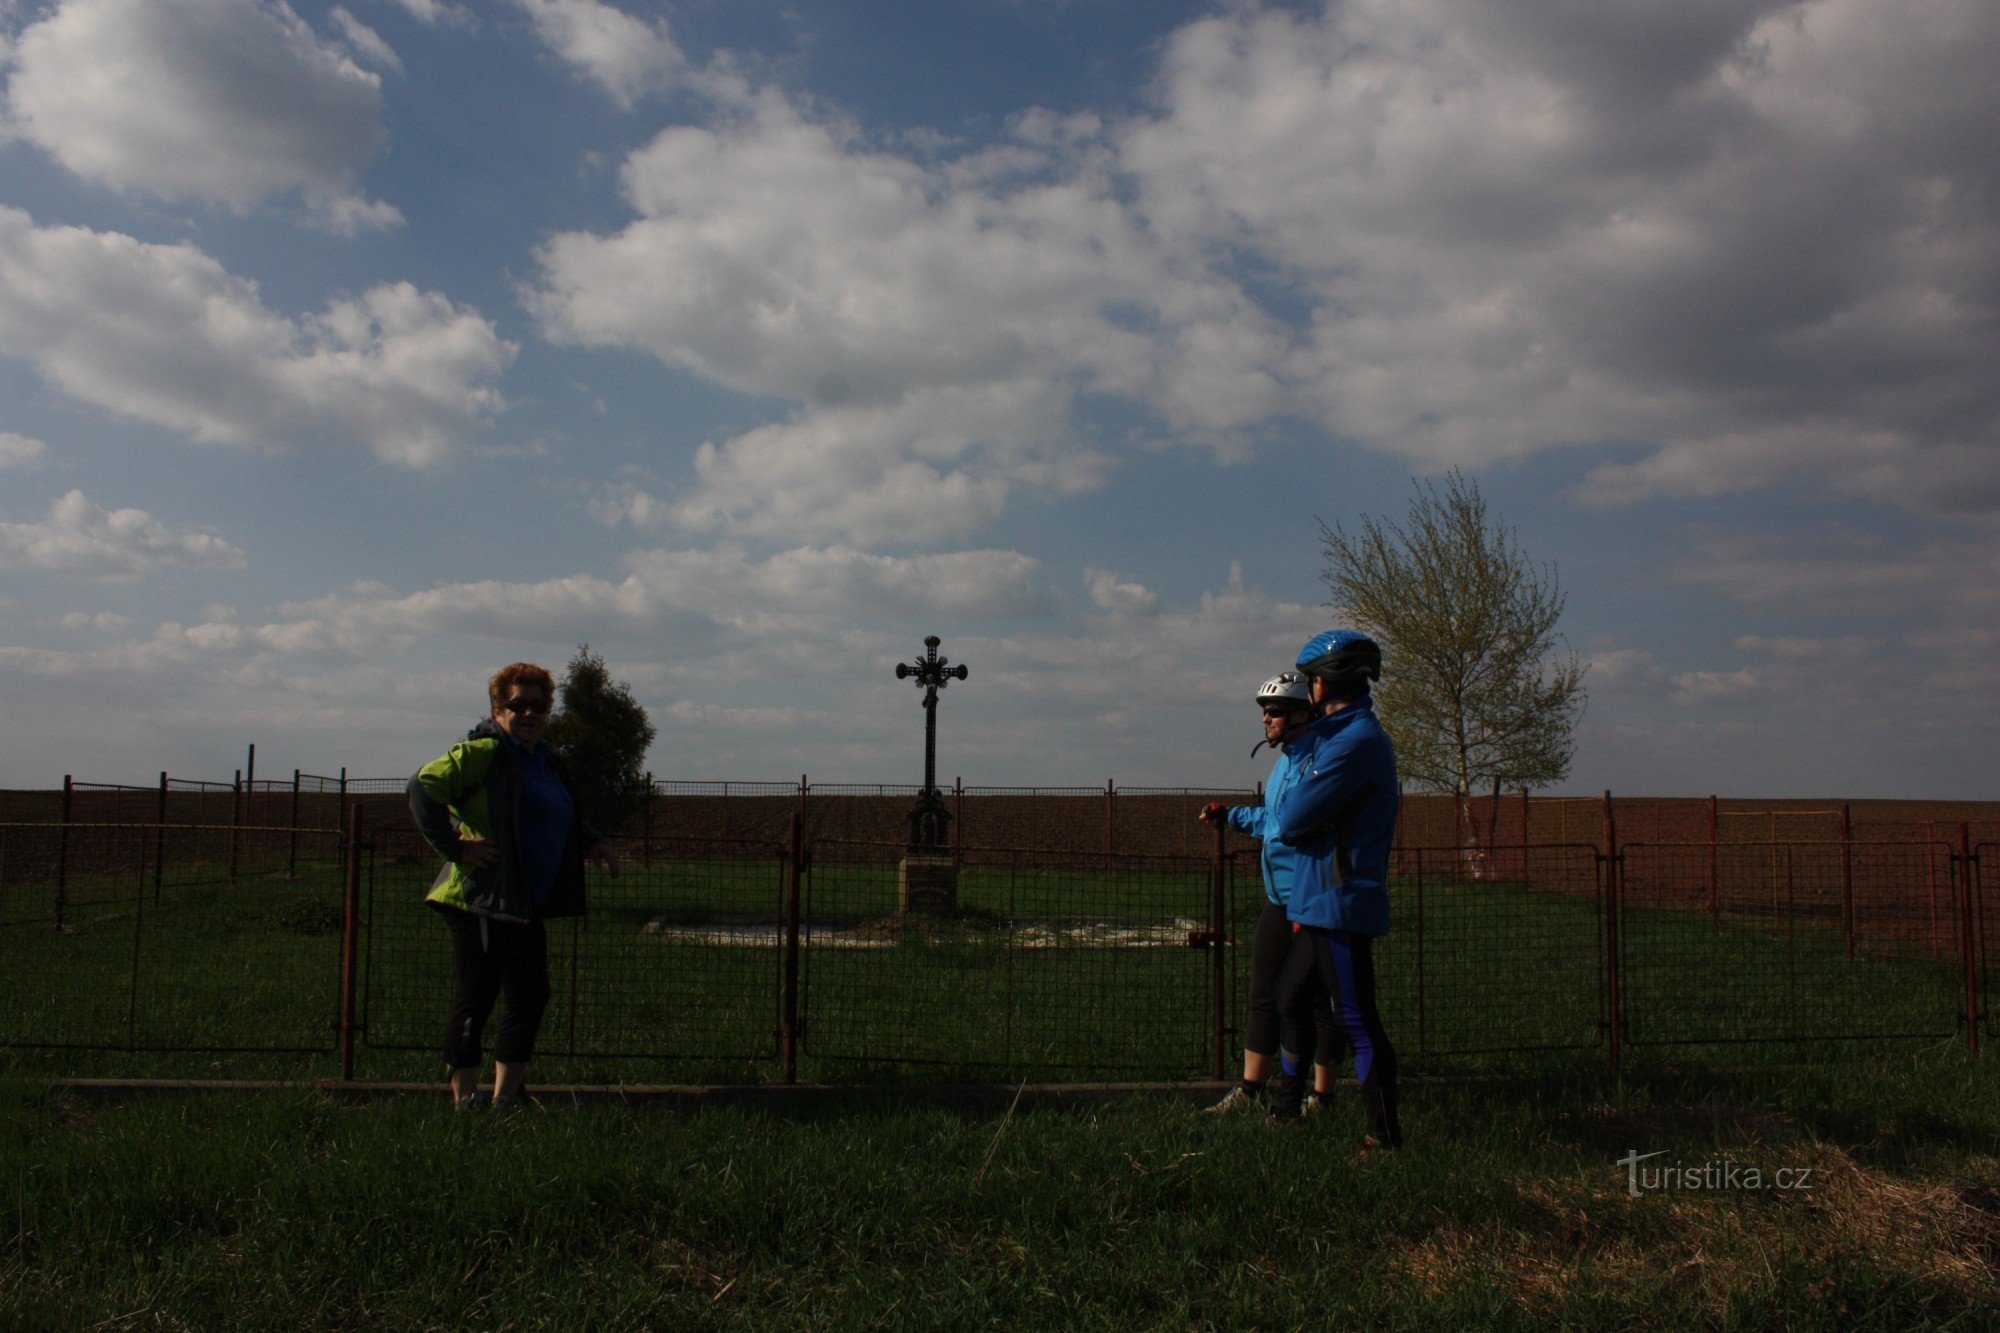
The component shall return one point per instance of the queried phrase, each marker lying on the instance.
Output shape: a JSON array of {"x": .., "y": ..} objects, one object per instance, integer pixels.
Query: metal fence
[
  {"x": 762, "y": 957},
  {"x": 147, "y": 937}
]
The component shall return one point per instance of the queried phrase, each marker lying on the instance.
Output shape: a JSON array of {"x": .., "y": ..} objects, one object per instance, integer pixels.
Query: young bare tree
[{"x": 1477, "y": 687}]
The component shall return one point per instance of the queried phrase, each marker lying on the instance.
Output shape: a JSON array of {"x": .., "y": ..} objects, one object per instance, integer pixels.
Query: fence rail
[{"x": 768, "y": 953}]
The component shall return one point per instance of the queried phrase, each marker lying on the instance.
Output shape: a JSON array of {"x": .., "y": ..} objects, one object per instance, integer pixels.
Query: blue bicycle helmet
[{"x": 1341, "y": 652}]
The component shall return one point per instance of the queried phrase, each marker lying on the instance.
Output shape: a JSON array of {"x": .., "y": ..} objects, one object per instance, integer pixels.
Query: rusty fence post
[
  {"x": 160, "y": 838},
  {"x": 1970, "y": 946},
  {"x": 1714, "y": 889},
  {"x": 235, "y": 823},
  {"x": 62, "y": 855},
  {"x": 788, "y": 1033},
  {"x": 1493, "y": 832},
  {"x": 1423, "y": 1014},
  {"x": 1614, "y": 897},
  {"x": 1111, "y": 822},
  {"x": 1847, "y": 876},
  {"x": 1218, "y": 938},
  {"x": 340, "y": 818},
  {"x": 350, "y": 938},
  {"x": 1930, "y": 880},
  {"x": 1525, "y": 839}
]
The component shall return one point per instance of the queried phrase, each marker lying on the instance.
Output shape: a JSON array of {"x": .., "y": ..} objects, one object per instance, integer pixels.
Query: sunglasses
[{"x": 533, "y": 707}]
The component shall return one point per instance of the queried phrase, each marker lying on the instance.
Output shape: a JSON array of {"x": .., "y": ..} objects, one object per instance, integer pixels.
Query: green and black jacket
[{"x": 474, "y": 787}]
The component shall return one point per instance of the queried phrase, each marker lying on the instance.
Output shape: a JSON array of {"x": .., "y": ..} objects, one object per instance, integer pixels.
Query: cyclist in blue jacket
[
  {"x": 1286, "y": 702},
  {"x": 1340, "y": 818}
]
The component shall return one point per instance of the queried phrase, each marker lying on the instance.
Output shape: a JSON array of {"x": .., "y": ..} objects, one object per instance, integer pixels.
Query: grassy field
[
  {"x": 1048, "y": 971},
  {"x": 1508, "y": 1209}
]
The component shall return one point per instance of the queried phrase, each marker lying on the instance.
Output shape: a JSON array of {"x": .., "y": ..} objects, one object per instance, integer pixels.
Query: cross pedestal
[{"x": 926, "y": 882}]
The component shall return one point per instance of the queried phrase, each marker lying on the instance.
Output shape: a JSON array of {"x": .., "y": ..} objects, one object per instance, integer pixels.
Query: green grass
[{"x": 1507, "y": 1210}]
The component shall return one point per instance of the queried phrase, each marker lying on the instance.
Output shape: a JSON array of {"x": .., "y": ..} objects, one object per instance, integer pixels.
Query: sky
[{"x": 349, "y": 351}]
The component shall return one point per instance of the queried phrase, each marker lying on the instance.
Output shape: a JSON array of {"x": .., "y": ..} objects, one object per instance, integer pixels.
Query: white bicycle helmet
[{"x": 1287, "y": 687}]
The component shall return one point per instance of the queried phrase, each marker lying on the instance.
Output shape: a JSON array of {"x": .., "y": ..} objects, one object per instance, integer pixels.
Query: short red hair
[{"x": 520, "y": 673}]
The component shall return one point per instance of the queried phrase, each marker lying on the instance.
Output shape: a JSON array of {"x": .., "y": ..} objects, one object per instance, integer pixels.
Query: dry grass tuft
[
  {"x": 1947, "y": 1231},
  {"x": 1587, "y": 1239}
]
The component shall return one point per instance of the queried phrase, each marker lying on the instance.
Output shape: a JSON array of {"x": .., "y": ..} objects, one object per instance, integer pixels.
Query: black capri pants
[
  {"x": 1268, "y": 950},
  {"x": 510, "y": 955}
]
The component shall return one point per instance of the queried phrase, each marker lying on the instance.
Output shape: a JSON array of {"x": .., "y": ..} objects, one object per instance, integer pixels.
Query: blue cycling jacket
[
  {"x": 1256, "y": 821},
  {"x": 1340, "y": 817}
]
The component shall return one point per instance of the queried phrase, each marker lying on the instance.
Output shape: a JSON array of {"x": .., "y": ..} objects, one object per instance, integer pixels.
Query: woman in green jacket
[{"x": 499, "y": 808}]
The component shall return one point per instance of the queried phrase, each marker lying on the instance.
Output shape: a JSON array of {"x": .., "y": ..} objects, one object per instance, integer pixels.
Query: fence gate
[
  {"x": 1755, "y": 942},
  {"x": 1490, "y": 952}
]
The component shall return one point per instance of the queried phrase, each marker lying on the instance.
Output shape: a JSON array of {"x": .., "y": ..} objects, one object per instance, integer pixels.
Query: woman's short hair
[{"x": 519, "y": 673}]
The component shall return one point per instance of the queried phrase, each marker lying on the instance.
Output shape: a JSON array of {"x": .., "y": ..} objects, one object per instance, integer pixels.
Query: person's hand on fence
[
  {"x": 604, "y": 855},
  {"x": 477, "y": 852},
  {"x": 1213, "y": 813}
]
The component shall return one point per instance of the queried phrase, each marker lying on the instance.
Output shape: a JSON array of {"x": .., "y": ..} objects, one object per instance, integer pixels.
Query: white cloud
[
  {"x": 934, "y": 466},
  {"x": 627, "y": 57},
  {"x": 434, "y": 12},
  {"x": 934, "y": 324},
  {"x": 163, "y": 334},
  {"x": 231, "y": 102},
  {"x": 1631, "y": 671},
  {"x": 1110, "y": 593},
  {"x": 20, "y": 450},
  {"x": 1756, "y": 236},
  {"x": 365, "y": 41},
  {"x": 624, "y": 502},
  {"x": 738, "y": 658},
  {"x": 79, "y": 538},
  {"x": 701, "y": 598},
  {"x": 105, "y": 622}
]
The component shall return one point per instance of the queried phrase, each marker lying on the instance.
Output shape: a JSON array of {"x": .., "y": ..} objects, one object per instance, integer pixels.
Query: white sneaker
[
  {"x": 1238, "y": 1099},
  {"x": 1313, "y": 1104}
]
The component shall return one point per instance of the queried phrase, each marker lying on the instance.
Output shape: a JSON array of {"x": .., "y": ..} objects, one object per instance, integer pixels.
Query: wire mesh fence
[
  {"x": 1788, "y": 942},
  {"x": 679, "y": 961},
  {"x": 769, "y": 955},
  {"x": 1488, "y": 958},
  {"x": 136, "y": 937},
  {"x": 1041, "y": 964}
]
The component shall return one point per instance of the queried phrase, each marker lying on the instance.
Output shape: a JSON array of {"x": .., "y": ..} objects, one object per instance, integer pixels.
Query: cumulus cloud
[
  {"x": 20, "y": 450},
  {"x": 933, "y": 466},
  {"x": 365, "y": 41},
  {"x": 1111, "y": 593},
  {"x": 229, "y": 102},
  {"x": 934, "y": 325},
  {"x": 705, "y": 595},
  {"x": 81, "y": 539},
  {"x": 163, "y": 334},
  {"x": 627, "y": 57},
  {"x": 737, "y": 657},
  {"x": 1760, "y": 238}
]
